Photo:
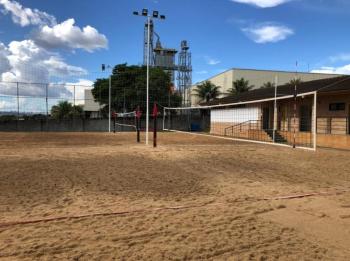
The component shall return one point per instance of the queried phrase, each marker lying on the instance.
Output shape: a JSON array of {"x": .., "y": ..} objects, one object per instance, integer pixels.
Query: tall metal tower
[
  {"x": 185, "y": 73},
  {"x": 145, "y": 44},
  {"x": 165, "y": 58}
]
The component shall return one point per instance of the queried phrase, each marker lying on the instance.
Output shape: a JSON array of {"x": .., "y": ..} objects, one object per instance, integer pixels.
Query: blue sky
[{"x": 261, "y": 34}]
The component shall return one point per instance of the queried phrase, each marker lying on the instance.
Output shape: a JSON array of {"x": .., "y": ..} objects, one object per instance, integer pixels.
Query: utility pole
[{"x": 109, "y": 95}]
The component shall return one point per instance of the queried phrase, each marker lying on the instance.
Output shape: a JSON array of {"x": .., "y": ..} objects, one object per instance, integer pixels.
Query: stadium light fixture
[{"x": 155, "y": 14}]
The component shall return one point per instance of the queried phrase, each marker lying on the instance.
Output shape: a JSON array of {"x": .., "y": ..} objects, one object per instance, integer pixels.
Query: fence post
[
  {"x": 315, "y": 121},
  {"x": 74, "y": 111},
  {"x": 47, "y": 107},
  {"x": 17, "y": 106}
]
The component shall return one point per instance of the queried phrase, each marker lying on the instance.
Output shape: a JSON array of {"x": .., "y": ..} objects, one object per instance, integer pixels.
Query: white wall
[
  {"x": 235, "y": 115},
  {"x": 90, "y": 104}
]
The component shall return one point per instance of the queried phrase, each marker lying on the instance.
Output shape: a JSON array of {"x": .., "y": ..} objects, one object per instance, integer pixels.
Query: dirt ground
[{"x": 91, "y": 196}]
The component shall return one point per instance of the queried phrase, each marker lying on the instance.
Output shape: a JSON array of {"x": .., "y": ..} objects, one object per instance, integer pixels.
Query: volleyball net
[
  {"x": 286, "y": 120},
  {"x": 125, "y": 121}
]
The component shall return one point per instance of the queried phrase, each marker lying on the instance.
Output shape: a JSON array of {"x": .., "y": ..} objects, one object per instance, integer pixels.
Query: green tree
[
  {"x": 128, "y": 89},
  {"x": 65, "y": 110},
  {"x": 295, "y": 81},
  {"x": 267, "y": 85},
  {"x": 240, "y": 86},
  {"x": 6, "y": 118},
  {"x": 207, "y": 91}
]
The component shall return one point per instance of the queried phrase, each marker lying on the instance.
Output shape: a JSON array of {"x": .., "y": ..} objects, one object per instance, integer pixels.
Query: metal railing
[
  {"x": 250, "y": 130},
  {"x": 239, "y": 125}
]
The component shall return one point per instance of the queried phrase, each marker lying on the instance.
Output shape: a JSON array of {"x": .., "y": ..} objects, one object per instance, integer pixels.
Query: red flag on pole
[
  {"x": 138, "y": 113},
  {"x": 155, "y": 110}
]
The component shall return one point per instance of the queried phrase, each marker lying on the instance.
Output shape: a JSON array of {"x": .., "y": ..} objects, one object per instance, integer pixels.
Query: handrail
[
  {"x": 239, "y": 125},
  {"x": 234, "y": 126}
]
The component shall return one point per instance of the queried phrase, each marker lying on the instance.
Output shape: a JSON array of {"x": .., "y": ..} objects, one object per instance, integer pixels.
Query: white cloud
[
  {"x": 68, "y": 35},
  {"x": 79, "y": 88},
  {"x": 4, "y": 62},
  {"x": 344, "y": 57},
  {"x": 26, "y": 16},
  {"x": 333, "y": 70},
  {"x": 57, "y": 67},
  {"x": 211, "y": 61},
  {"x": 262, "y": 3},
  {"x": 49, "y": 34},
  {"x": 6, "y": 105},
  {"x": 29, "y": 63},
  {"x": 268, "y": 33}
]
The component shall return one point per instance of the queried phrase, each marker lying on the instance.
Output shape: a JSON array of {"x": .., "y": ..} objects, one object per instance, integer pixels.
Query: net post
[
  {"x": 163, "y": 118},
  {"x": 315, "y": 122},
  {"x": 155, "y": 114},
  {"x": 47, "y": 105},
  {"x": 17, "y": 96},
  {"x": 275, "y": 111},
  {"x": 295, "y": 116},
  {"x": 114, "y": 121}
]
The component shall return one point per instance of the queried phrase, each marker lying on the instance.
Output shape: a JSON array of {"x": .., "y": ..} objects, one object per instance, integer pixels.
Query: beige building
[
  {"x": 257, "y": 78},
  {"x": 319, "y": 115},
  {"x": 91, "y": 107}
]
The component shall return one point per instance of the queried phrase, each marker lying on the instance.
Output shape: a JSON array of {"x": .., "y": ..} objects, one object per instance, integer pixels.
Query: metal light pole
[
  {"x": 109, "y": 103},
  {"x": 147, "y": 84},
  {"x": 149, "y": 18},
  {"x": 109, "y": 95}
]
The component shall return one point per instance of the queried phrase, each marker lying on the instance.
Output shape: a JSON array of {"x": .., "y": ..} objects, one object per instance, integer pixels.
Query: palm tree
[
  {"x": 65, "y": 110},
  {"x": 295, "y": 81},
  {"x": 267, "y": 85},
  {"x": 207, "y": 91},
  {"x": 240, "y": 86}
]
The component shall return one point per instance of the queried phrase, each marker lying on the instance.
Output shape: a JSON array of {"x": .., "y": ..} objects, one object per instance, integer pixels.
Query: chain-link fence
[{"x": 76, "y": 107}]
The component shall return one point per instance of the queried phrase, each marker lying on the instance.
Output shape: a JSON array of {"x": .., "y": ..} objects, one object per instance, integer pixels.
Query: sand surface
[{"x": 190, "y": 198}]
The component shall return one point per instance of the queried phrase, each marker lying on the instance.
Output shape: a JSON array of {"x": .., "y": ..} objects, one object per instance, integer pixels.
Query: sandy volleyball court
[{"x": 91, "y": 196}]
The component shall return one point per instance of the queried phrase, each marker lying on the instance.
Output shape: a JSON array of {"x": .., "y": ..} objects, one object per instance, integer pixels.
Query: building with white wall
[
  {"x": 257, "y": 78},
  {"x": 91, "y": 108}
]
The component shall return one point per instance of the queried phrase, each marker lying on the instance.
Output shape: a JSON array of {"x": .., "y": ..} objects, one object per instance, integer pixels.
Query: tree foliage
[
  {"x": 240, "y": 86},
  {"x": 207, "y": 91},
  {"x": 128, "y": 88},
  {"x": 295, "y": 81},
  {"x": 267, "y": 85},
  {"x": 65, "y": 110}
]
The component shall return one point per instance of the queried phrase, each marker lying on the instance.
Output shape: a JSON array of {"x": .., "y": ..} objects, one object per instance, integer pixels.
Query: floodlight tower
[
  {"x": 185, "y": 73},
  {"x": 148, "y": 52},
  {"x": 155, "y": 15}
]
